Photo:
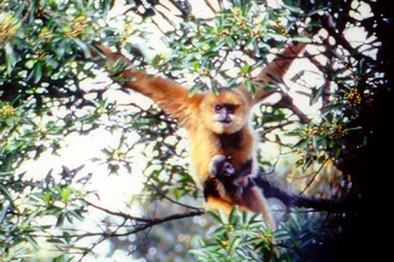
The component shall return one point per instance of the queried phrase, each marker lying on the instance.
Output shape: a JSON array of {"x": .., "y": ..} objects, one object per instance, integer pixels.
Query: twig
[
  {"x": 327, "y": 81},
  {"x": 100, "y": 240},
  {"x": 120, "y": 214},
  {"x": 184, "y": 12},
  {"x": 210, "y": 6},
  {"x": 172, "y": 200},
  {"x": 314, "y": 176},
  {"x": 272, "y": 128}
]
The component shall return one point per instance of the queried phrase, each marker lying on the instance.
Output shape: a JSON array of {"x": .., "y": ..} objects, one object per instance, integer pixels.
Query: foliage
[
  {"x": 239, "y": 237},
  {"x": 245, "y": 237},
  {"x": 45, "y": 65}
]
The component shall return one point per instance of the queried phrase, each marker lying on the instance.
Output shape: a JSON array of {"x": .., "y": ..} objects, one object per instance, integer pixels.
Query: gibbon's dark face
[
  {"x": 225, "y": 113},
  {"x": 228, "y": 170}
]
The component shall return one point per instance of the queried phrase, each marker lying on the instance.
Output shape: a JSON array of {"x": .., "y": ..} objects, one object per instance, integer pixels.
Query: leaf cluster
[
  {"x": 225, "y": 49},
  {"x": 238, "y": 237}
]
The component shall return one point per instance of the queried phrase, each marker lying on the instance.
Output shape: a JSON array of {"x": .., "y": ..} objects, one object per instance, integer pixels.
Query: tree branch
[
  {"x": 172, "y": 200},
  {"x": 152, "y": 222},
  {"x": 263, "y": 133},
  {"x": 210, "y": 6},
  {"x": 287, "y": 102},
  {"x": 120, "y": 214},
  {"x": 340, "y": 39},
  {"x": 327, "y": 81},
  {"x": 293, "y": 200}
]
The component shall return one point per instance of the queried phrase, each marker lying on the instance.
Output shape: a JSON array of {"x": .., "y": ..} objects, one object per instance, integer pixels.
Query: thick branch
[
  {"x": 151, "y": 221},
  {"x": 293, "y": 200},
  {"x": 287, "y": 102},
  {"x": 340, "y": 39}
]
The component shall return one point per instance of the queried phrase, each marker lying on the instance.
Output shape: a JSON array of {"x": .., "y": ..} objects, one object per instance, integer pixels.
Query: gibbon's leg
[
  {"x": 253, "y": 200},
  {"x": 256, "y": 202},
  {"x": 217, "y": 203}
]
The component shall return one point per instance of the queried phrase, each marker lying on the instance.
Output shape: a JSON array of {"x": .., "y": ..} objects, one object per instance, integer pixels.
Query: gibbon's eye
[
  {"x": 218, "y": 107},
  {"x": 230, "y": 108}
]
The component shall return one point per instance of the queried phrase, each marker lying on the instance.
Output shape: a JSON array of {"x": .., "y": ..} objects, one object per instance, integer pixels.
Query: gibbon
[{"x": 218, "y": 125}]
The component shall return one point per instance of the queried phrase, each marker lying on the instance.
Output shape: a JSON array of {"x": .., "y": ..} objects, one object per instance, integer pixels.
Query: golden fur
[{"x": 196, "y": 114}]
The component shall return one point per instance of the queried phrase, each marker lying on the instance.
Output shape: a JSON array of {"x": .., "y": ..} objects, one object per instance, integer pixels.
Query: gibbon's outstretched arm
[
  {"x": 170, "y": 96},
  {"x": 277, "y": 68}
]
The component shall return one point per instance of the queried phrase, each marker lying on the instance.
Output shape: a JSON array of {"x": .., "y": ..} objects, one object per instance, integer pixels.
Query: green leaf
[
  {"x": 275, "y": 78},
  {"x": 33, "y": 242},
  {"x": 248, "y": 85},
  {"x": 233, "y": 217},
  {"x": 47, "y": 198},
  {"x": 353, "y": 129},
  {"x": 37, "y": 72},
  {"x": 244, "y": 218},
  {"x": 67, "y": 237},
  {"x": 302, "y": 39},
  {"x": 66, "y": 194},
  {"x": 196, "y": 65},
  {"x": 176, "y": 193},
  {"x": 316, "y": 94},
  {"x": 84, "y": 47},
  {"x": 308, "y": 162},
  {"x": 10, "y": 58},
  {"x": 4, "y": 210},
  {"x": 50, "y": 62},
  {"x": 215, "y": 88},
  {"x": 156, "y": 60},
  {"x": 215, "y": 217},
  {"x": 277, "y": 36},
  {"x": 61, "y": 49},
  {"x": 60, "y": 258},
  {"x": 245, "y": 69},
  {"x": 293, "y": 8}
]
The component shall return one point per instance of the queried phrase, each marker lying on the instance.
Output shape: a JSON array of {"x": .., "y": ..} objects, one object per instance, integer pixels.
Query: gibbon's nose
[{"x": 224, "y": 116}]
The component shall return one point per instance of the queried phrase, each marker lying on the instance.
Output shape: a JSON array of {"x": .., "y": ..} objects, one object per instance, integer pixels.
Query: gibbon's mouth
[{"x": 225, "y": 121}]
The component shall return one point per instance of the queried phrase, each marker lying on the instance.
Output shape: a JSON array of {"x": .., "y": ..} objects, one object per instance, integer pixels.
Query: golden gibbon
[{"x": 223, "y": 142}]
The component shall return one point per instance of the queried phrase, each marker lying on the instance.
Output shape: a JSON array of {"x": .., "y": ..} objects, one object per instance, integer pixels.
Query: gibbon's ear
[{"x": 276, "y": 69}]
